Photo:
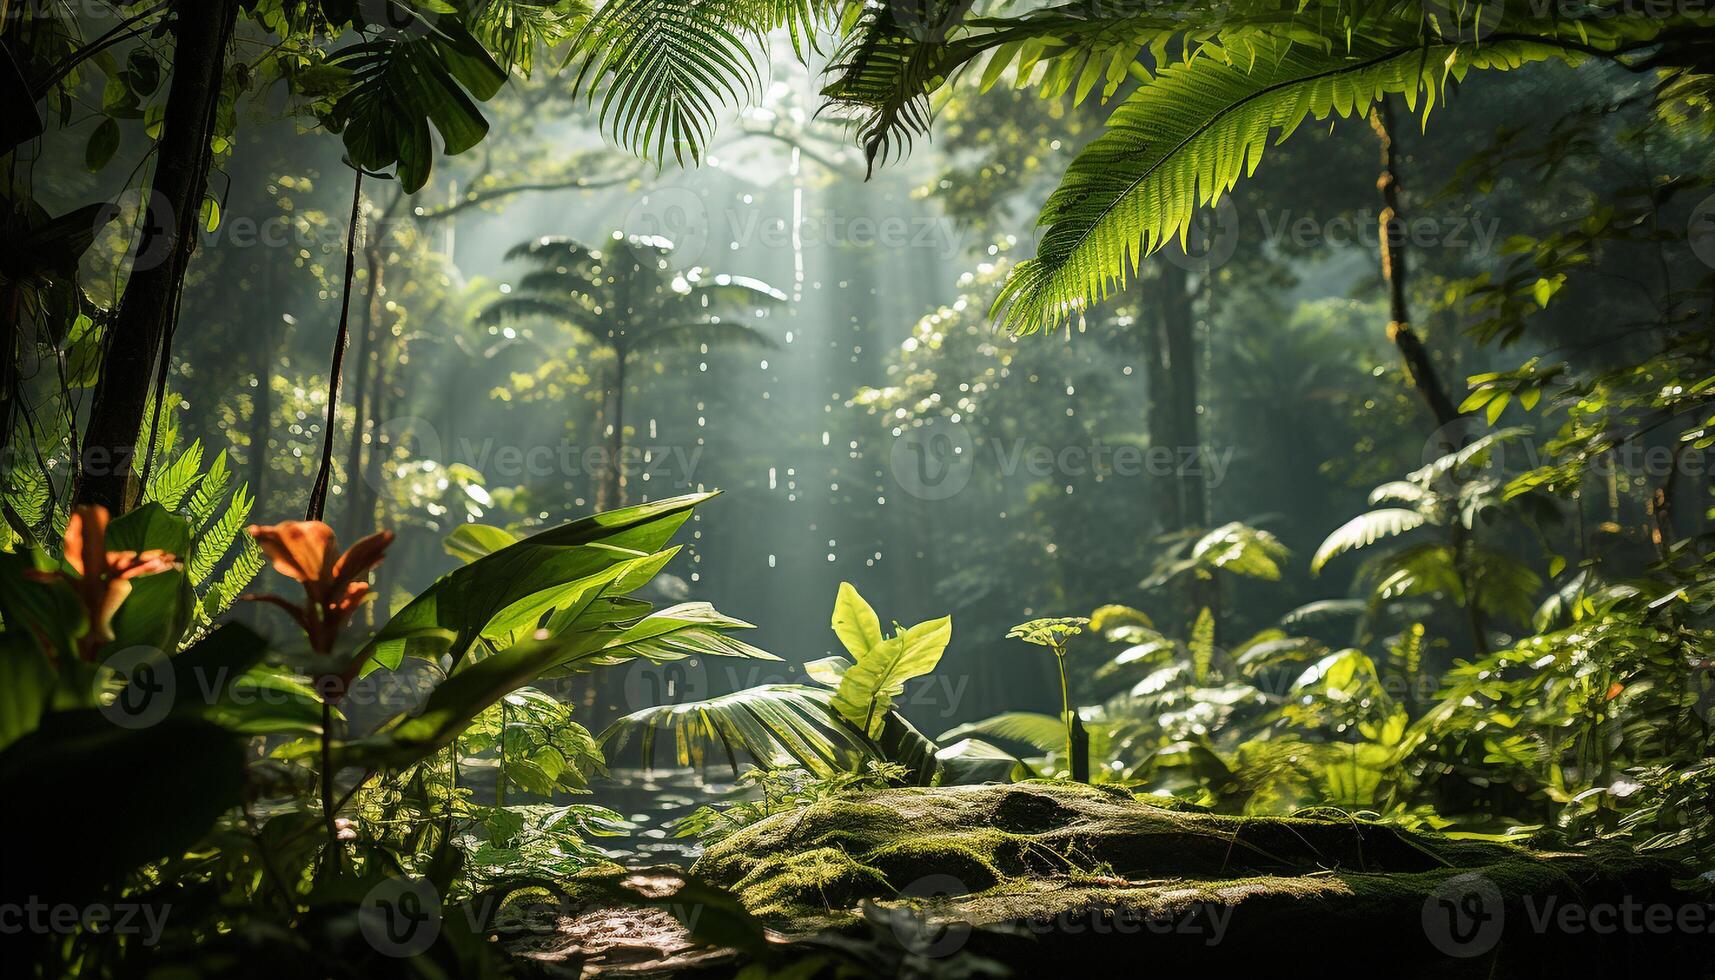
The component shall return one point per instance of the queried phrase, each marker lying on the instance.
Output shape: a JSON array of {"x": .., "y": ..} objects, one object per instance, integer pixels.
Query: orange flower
[
  {"x": 103, "y": 577},
  {"x": 307, "y": 551}
]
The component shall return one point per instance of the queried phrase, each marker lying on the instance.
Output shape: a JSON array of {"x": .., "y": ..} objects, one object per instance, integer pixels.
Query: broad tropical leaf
[{"x": 868, "y": 687}]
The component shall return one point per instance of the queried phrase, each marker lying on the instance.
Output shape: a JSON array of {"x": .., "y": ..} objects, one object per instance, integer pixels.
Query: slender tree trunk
[
  {"x": 612, "y": 493},
  {"x": 1418, "y": 366},
  {"x": 1160, "y": 402},
  {"x": 139, "y": 333},
  {"x": 1179, "y": 341},
  {"x": 359, "y": 491},
  {"x": 1394, "y": 272}
]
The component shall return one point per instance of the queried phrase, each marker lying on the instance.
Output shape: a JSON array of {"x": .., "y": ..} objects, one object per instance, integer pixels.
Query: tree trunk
[
  {"x": 359, "y": 507},
  {"x": 1160, "y": 402},
  {"x": 140, "y": 331},
  {"x": 1392, "y": 242},
  {"x": 1179, "y": 346},
  {"x": 1392, "y": 238},
  {"x": 612, "y": 493}
]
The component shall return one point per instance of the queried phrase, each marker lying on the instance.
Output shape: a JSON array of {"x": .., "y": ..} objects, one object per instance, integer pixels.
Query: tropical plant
[
  {"x": 627, "y": 300},
  {"x": 1460, "y": 492},
  {"x": 842, "y": 724},
  {"x": 553, "y": 604},
  {"x": 1248, "y": 75},
  {"x": 1055, "y": 634}
]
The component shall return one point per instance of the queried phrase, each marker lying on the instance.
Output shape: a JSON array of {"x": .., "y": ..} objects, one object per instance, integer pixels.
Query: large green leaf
[
  {"x": 669, "y": 65},
  {"x": 774, "y": 726},
  {"x": 693, "y": 629},
  {"x": 26, "y": 686},
  {"x": 855, "y": 623},
  {"x": 563, "y": 565},
  {"x": 402, "y": 82},
  {"x": 118, "y": 798},
  {"x": 868, "y": 687}
]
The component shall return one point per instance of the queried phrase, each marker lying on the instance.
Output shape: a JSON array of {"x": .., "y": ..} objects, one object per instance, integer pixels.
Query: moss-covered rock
[{"x": 1042, "y": 876}]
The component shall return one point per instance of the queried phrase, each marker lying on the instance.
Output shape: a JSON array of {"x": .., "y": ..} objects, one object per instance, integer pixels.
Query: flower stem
[
  {"x": 1065, "y": 702},
  {"x": 328, "y": 805}
]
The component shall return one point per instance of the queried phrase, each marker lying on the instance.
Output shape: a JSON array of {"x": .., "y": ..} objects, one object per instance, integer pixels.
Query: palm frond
[
  {"x": 772, "y": 726},
  {"x": 668, "y": 66},
  {"x": 898, "y": 55},
  {"x": 714, "y": 333}
]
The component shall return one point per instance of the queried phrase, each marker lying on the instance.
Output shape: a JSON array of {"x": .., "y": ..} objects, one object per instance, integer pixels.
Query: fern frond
[
  {"x": 209, "y": 492},
  {"x": 168, "y": 485},
  {"x": 1184, "y": 139},
  {"x": 1365, "y": 530},
  {"x": 213, "y": 544}
]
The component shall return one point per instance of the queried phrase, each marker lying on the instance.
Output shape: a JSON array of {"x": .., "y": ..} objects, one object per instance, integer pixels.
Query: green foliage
[
  {"x": 669, "y": 65},
  {"x": 880, "y": 667},
  {"x": 783, "y": 791},
  {"x": 845, "y": 724}
]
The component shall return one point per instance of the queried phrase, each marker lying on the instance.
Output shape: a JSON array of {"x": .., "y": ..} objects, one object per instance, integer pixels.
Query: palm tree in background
[{"x": 626, "y": 299}]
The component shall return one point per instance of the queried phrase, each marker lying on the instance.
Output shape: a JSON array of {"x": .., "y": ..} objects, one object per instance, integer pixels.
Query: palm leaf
[
  {"x": 668, "y": 66},
  {"x": 772, "y": 726}
]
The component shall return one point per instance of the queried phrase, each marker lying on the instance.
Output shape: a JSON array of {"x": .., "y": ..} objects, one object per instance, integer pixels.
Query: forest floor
[{"x": 1035, "y": 878}]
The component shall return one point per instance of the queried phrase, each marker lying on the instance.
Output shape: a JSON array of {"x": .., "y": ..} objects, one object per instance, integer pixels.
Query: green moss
[{"x": 809, "y": 884}]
